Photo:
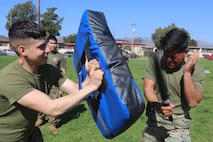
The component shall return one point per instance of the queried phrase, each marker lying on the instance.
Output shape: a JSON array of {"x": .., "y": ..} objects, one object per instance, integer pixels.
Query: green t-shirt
[
  {"x": 16, "y": 121},
  {"x": 174, "y": 83},
  {"x": 57, "y": 59}
]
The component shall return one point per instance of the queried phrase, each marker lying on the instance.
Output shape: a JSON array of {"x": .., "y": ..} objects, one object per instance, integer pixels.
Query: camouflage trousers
[
  {"x": 160, "y": 129},
  {"x": 54, "y": 93}
]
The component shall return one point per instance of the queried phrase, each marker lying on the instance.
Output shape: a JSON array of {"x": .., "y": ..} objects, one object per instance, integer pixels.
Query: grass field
[{"x": 79, "y": 126}]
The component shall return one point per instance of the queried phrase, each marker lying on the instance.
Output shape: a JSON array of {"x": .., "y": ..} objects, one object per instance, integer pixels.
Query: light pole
[
  {"x": 38, "y": 12},
  {"x": 133, "y": 30}
]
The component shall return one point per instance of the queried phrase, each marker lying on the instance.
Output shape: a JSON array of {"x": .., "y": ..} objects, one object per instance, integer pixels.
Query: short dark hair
[
  {"x": 51, "y": 37},
  {"x": 26, "y": 29},
  {"x": 175, "y": 39}
]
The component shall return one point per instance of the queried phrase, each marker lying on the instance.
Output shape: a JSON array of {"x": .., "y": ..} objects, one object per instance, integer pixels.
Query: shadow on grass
[{"x": 72, "y": 114}]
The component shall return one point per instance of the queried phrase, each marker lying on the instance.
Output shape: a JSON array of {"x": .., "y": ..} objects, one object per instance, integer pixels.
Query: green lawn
[{"x": 79, "y": 126}]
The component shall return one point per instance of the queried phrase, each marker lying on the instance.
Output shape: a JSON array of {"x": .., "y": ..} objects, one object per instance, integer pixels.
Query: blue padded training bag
[{"x": 118, "y": 103}]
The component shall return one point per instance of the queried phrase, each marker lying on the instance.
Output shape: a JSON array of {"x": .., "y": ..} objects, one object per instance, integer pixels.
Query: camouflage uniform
[
  {"x": 57, "y": 60},
  {"x": 160, "y": 129},
  {"x": 125, "y": 55},
  {"x": 54, "y": 93}
]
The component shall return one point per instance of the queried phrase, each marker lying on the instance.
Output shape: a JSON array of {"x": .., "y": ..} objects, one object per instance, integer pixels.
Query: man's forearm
[{"x": 192, "y": 94}]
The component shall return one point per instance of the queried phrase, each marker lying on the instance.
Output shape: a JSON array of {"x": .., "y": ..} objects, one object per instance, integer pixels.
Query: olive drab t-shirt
[
  {"x": 174, "y": 83},
  {"x": 16, "y": 121},
  {"x": 57, "y": 59}
]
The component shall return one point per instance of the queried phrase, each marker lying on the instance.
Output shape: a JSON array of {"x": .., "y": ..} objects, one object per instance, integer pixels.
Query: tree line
[{"x": 52, "y": 23}]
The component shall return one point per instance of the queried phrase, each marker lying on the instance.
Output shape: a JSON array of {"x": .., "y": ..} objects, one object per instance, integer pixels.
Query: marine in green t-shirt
[
  {"x": 55, "y": 58},
  {"x": 171, "y": 96},
  {"x": 26, "y": 82},
  {"x": 16, "y": 82}
]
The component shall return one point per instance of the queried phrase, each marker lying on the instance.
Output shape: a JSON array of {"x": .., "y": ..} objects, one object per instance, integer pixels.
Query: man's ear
[
  {"x": 186, "y": 54},
  {"x": 22, "y": 50}
]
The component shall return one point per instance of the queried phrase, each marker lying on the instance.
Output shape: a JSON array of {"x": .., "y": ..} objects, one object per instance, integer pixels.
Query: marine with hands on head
[{"x": 184, "y": 79}]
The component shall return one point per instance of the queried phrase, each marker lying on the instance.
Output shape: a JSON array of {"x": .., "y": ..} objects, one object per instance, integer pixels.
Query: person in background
[
  {"x": 124, "y": 53},
  {"x": 184, "y": 79},
  {"x": 26, "y": 82},
  {"x": 57, "y": 60}
]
